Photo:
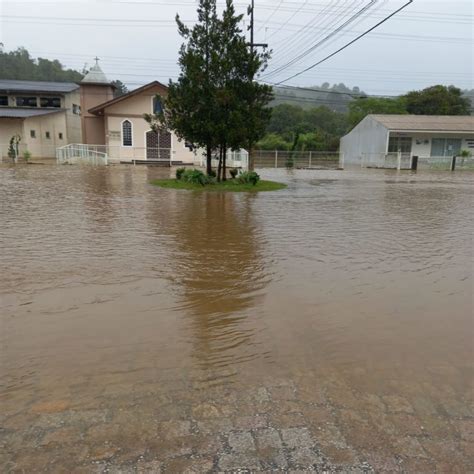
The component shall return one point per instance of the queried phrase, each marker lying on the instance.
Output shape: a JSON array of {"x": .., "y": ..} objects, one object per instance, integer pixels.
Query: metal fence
[
  {"x": 297, "y": 159},
  {"x": 407, "y": 161}
]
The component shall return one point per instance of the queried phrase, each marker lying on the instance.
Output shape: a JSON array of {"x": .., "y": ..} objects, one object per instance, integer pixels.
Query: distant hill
[{"x": 336, "y": 97}]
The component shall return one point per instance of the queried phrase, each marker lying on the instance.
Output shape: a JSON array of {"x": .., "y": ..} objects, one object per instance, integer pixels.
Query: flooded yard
[{"x": 327, "y": 326}]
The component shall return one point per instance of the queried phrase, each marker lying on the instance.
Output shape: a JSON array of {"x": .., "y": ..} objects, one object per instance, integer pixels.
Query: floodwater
[{"x": 325, "y": 326}]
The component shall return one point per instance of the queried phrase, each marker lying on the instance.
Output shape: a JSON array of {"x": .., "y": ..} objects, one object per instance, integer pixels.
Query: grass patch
[{"x": 229, "y": 185}]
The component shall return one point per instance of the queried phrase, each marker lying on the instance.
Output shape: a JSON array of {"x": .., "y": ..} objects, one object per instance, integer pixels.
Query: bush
[
  {"x": 195, "y": 176},
  {"x": 248, "y": 177},
  {"x": 233, "y": 172},
  {"x": 27, "y": 155},
  {"x": 212, "y": 174},
  {"x": 179, "y": 173},
  {"x": 465, "y": 154}
]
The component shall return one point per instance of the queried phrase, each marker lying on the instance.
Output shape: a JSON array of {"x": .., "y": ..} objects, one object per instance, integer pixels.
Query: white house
[{"x": 424, "y": 136}]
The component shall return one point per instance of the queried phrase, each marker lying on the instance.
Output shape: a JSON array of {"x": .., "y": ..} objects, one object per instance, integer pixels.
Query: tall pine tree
[{"x": 215, "y": 103}]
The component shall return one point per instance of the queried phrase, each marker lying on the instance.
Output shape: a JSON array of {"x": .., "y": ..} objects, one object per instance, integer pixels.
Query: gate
[{"x": 158, "y": 145}]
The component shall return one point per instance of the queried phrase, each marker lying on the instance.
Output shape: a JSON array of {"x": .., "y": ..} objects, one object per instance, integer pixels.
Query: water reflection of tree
[{"x": 219, "y": 273}]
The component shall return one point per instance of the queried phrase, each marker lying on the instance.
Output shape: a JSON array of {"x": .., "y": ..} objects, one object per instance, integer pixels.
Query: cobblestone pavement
[{"x": 324, "y": 422}]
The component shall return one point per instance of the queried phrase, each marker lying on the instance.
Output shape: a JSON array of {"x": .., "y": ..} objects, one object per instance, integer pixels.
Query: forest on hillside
[
  {"x": 311, "y": 118},
  {"x": 20, "y": 65}
]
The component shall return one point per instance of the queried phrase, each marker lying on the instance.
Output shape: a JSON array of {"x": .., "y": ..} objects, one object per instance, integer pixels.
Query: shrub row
[{"x": 195, "y": 176}]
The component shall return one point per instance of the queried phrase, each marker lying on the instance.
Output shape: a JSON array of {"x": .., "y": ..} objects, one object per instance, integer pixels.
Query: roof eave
[
  {"x": 411, "y": 130},
  {"x": 100, "y": 108}
]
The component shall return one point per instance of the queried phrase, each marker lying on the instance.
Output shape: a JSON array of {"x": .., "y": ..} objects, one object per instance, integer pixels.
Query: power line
[
  {"x": 271, "y": 15},
  {"x": 292, "y": 40},
  {"x": 322, "y": 41},
  {"x": 348, "y": 44},
  {"x": 289, "y": 19}
]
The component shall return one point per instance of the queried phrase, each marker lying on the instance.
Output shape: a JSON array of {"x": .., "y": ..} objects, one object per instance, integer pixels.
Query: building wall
[
  {"x": 367, "y": 137},
  {"x": 93, "y": 127},
  {"x": 132, "y": 109},
  {"x": 73, "y": 118},
  {"x": 137, "y": 104},
  {"x": 40, "y": 146},
  {"x": 138, "y": 149},
  {"x": 9, "y": 128}
]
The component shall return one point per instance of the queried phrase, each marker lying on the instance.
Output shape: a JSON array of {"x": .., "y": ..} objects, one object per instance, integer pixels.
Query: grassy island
[
  {"x": 230, "y": 185},
  {"x": 196, "y": 180}
]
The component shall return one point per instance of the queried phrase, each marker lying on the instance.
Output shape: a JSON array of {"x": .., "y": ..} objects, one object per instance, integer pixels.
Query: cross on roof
[{"x": 96, "y": 61}]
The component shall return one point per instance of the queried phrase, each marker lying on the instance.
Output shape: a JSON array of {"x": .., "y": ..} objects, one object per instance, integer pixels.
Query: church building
[{"x": 44, "y": 116}]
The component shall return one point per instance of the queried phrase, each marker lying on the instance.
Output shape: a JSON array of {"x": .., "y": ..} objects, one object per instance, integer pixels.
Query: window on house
[
  {"x": 402, "y": 144},
  {"x": 76, "y": 109},
  {"x": 50, "y": 102},
  {"x": 445, "y": 146},
  {"x": 33, "y": 133},
  {"x": 26, "y": 102},
  {"x": 60, "y": 135},
  {"x": 157, "y": 106},
  {"x": 48, "y": 135},
  {"x": 3, "y": 100},
  {"x": 127, "y": 133}
]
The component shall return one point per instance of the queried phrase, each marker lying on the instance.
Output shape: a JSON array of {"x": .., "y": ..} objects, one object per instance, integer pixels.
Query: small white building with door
[{"x": 379, "y": 136}]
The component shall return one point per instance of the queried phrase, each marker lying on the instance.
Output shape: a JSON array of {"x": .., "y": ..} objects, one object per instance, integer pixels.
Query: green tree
[
  {"x": 437, "y": 100},
  {"x": 214, "y": 104},
  {"x": 273, "y": 141},
  {"x": 189, "y": 107},
  {"x": 359, "y": 108},
  {"x": 120, "y": 88},
  {"x": 18, "y": 64},
  {"x": 318, "y": 128}
]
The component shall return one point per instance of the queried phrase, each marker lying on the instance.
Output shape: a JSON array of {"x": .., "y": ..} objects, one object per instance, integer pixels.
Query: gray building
[
  {"x": 41, "y": 116},
  {"x": 378, "y": 137}
]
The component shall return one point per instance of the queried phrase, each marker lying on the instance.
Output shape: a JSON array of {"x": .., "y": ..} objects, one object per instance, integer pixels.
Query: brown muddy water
[{"x": 327, "y": 326}]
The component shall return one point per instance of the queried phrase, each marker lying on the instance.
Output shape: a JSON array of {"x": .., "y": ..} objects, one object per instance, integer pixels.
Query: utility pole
[{"x": 252, "y": 45}]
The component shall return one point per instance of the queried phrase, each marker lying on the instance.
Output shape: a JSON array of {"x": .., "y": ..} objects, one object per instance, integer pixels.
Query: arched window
[{"x": 127, "y": 133}]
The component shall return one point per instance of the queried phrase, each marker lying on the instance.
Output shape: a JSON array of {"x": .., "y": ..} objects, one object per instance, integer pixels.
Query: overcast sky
[{"x": 429, "y": 42}]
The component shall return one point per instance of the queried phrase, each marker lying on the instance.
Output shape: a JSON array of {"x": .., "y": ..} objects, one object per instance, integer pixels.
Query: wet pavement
[{"x": 324, "y": 327}]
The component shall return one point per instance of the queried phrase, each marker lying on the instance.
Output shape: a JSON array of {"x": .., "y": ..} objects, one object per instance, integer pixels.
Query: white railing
[{"x": 79, "y": 153}]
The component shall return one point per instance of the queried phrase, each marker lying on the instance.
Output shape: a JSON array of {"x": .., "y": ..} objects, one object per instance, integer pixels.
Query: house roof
[
  {"x": 19, "y": 112},
  {"x": 441, "y": 123},
  {"x": 98, "y": 109},
  {"x": 11, "y": 85}
]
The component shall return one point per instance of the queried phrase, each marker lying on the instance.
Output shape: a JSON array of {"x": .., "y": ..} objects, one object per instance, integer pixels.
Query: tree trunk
[
  {"x": 219, "y": 167},
  {"x": 251, "y": 165},
  {"x": 224, "y": 162},
  {"x": 208, "y": 159}
]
